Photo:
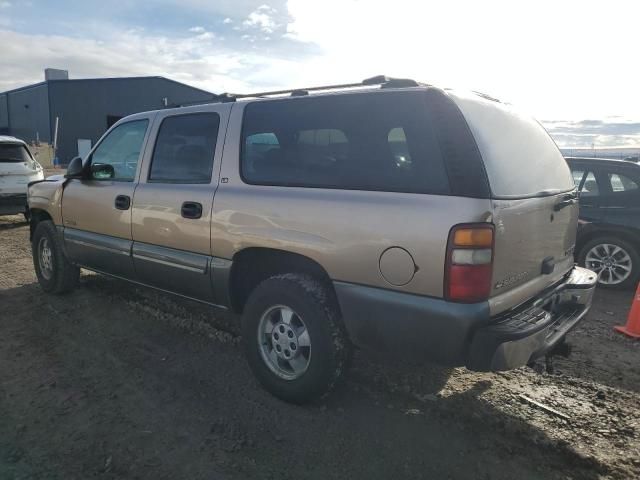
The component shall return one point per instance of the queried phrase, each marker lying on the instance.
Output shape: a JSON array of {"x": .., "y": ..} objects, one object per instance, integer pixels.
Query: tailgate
[
  {"x": 534, "y": 203},
  {"x": 534, "y": 243}
]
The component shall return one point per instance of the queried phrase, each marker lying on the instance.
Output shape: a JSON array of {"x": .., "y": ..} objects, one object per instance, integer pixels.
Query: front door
[
  {"x": 173, "y": 201},
  {"x": 96, "y": 211}
]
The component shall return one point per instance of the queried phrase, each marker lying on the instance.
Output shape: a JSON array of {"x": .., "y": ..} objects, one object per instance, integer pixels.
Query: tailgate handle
[{"x": 565, "y": 202}]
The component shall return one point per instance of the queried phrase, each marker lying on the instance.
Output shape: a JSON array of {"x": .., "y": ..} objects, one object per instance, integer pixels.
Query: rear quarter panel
[{"x": 345, "y": 231}]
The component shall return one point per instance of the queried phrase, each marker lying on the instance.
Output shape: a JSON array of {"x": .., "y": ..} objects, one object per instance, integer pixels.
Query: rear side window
[
  {"x": 185, "y": 147},
  {"x": 520, "y": 157},
  {"x": 621, "y": 183},
  {"x": 382, "y": 141},
  {"x": 14, "y": 153}
]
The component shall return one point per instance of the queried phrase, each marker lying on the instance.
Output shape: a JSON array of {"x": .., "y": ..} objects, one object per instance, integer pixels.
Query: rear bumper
[
  {"x": 457, "y": 334},
  {"x": 12, "y": 203},
  {"x": 528, "y": 332}
]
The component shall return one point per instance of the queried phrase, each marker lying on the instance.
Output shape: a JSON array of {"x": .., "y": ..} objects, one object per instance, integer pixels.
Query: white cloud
[
  {"x": 262, "y": 18},
  {"x": 200, "y": 60},
  {"x": 544, "y": 56},
  {"x": 5, "y": 4}
]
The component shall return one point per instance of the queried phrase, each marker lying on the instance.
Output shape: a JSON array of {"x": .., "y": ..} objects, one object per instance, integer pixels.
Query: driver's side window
[{"x": 120, "y": 149}]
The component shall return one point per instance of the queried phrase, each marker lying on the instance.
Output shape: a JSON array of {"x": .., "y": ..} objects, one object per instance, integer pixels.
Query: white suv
[{"x": 17, "y": 169}]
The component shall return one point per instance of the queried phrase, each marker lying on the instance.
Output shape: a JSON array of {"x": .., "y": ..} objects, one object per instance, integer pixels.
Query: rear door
[
  {"x": 534, "y": 200},
  {"x": 173, "y": 202},
  {"x": 621, "y": 198}
]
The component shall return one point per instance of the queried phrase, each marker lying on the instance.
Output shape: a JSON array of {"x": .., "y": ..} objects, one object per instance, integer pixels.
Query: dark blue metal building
[{"x": 85, "y": 108}]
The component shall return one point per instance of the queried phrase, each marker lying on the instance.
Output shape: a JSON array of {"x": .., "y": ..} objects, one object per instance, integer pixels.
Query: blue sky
[{"x": 570, "y": 63}]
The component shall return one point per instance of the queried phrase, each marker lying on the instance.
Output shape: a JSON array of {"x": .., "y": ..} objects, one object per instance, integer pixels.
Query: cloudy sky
[{"x": 572, "y": 64}]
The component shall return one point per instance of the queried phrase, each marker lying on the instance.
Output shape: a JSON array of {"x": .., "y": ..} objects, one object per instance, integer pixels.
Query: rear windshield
[
  {"x": 14, "y": 153},
  {"x": 382, "y": 142},
  {"x": 520, "y": 157}
]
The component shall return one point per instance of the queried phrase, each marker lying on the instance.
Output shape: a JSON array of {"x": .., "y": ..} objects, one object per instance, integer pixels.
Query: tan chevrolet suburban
[{"x": 388, "y": 215}]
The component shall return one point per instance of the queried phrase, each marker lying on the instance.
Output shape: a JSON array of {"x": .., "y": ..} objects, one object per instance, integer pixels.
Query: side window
[
  {"x": 121, "y": 149},
  {"x": 185, "y": 148},
  {"x": 621, "y": 183},
  {"x": 380, "y": 142},
  {"x": 590, "y": 186}
]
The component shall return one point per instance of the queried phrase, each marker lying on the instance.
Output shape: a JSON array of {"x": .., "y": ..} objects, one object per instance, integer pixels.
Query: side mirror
[
  {"x": 74, "y": 169},
  {"x": 102, "y": 171}
]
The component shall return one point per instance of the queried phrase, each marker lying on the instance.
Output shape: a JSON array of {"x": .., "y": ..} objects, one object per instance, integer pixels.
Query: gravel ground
[{"x": 115, "y": 381}]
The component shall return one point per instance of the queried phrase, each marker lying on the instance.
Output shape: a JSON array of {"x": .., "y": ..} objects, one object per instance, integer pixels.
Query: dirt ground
[{"x": 114, "y": 381}]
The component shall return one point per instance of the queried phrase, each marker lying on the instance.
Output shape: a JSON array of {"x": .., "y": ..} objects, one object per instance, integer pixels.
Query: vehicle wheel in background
[
  {"x": 615, "y": 261},
  {"x": 54, "y": 271},
  {"x": 294, "y": 338}
]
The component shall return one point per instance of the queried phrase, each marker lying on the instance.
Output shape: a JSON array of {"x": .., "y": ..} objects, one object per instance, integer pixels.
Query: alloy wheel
[{"x": 611, "y": 262}]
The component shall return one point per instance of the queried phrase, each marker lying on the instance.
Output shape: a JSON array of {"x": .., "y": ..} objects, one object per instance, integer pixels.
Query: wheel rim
[
  {"x": 284, "y": 342},
  {"x": 611, "y": 262},
  {"x": 45, "y": 258}
]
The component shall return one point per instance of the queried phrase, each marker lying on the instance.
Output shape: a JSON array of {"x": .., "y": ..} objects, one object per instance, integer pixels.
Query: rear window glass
[
  {"x": 14, "y": 153},
  {"x": 381, "y": 142},
  {"x": 520, "y": 157}
]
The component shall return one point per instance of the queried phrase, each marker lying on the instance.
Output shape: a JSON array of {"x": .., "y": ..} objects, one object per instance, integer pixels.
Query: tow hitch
[{"x": 562, "y": 349}]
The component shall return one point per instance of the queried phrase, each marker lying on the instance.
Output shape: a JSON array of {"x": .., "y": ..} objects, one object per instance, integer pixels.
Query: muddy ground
[{"x": 115, "y": 381}]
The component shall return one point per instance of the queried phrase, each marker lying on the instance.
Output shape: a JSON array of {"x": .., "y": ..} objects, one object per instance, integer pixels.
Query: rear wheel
[
  {"x": 294, "y": 339},
  {"x": 614, "y": 260},
  {"x": 56, "y": 274}
]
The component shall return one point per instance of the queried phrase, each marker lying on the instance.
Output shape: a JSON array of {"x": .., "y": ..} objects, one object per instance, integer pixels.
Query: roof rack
[
  {"x": 382, "y": 80},
  {"x": 487, "y": 97}
]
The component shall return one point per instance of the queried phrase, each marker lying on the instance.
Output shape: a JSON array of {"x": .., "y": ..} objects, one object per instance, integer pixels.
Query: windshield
[{"x": 14, "y": 153}]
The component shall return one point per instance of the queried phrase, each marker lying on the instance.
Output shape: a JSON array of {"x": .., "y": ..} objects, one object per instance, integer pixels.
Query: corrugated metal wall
[
  {"x": 28, "y": 113},
  {"x": 83, "y": 107},
  {"x": 4, "y": 115}
]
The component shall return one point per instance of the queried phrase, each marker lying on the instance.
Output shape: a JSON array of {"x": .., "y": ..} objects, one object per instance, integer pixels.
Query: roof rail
[{"x": 382, "y": 80}]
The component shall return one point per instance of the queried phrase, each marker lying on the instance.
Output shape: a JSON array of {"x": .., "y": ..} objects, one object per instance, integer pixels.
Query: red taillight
[{"x": 469, "y": 263}]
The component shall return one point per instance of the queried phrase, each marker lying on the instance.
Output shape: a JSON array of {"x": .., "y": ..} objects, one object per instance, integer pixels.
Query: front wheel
[
  {"x": 56, "y": 274},
  {"x": 614, "y": 260},
  {"x": 294, "y": 339}
]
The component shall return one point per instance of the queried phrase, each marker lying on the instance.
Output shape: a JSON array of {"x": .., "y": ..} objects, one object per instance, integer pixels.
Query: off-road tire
[
  {"x": 315, "y": 303},
  {"x": 64, "y": 275}
]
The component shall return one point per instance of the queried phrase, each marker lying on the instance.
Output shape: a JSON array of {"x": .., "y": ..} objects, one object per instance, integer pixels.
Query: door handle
[
  {"x": 123, "y": 202},
  {"x": 191, "y": 210}
]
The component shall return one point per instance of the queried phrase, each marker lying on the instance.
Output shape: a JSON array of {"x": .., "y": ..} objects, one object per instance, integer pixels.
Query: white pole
[
  {"x": 56, "y": 161},
  {"x": 55, "y": 136}
]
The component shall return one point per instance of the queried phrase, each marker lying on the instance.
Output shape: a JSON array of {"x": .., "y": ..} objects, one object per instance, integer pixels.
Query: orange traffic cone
[{"x": 632, "y": 328}]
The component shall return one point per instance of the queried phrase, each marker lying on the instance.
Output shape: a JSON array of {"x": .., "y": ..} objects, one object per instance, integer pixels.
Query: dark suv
[{"x": 609, "y": 226}]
